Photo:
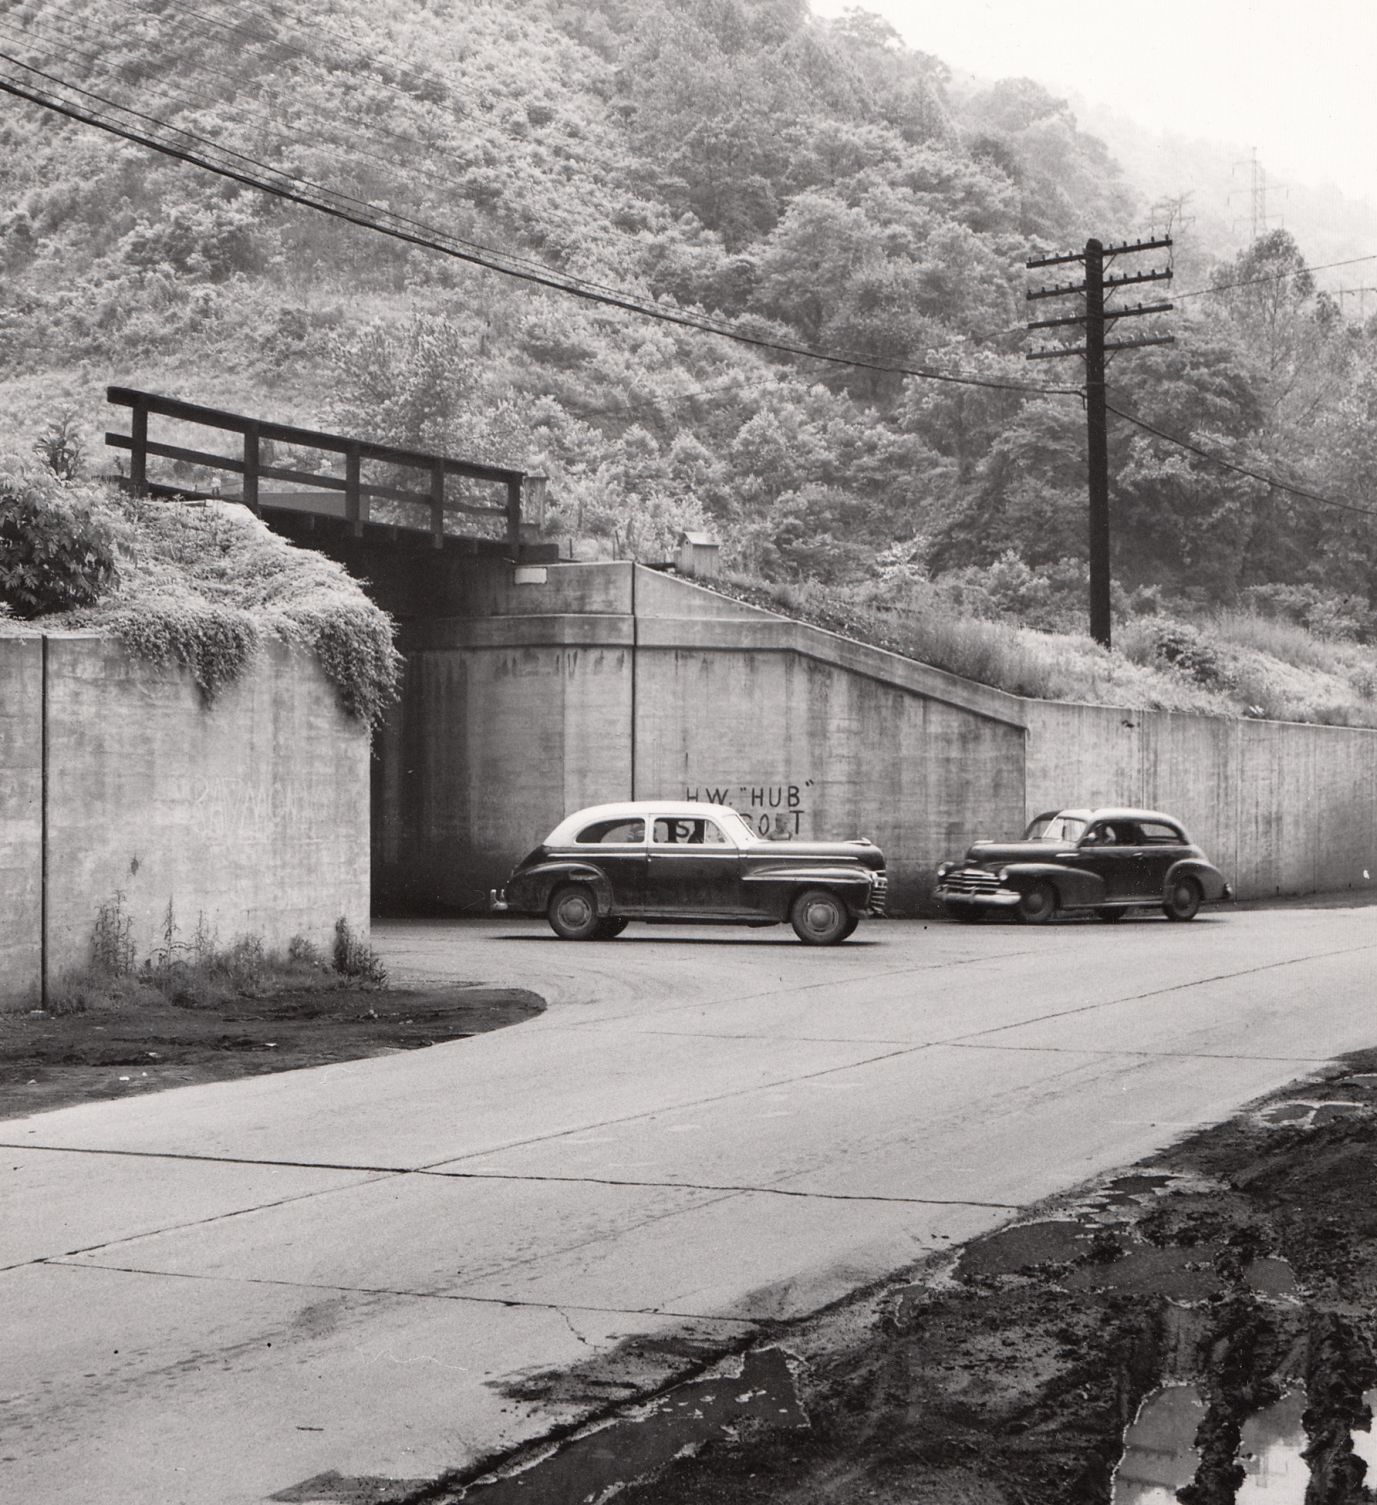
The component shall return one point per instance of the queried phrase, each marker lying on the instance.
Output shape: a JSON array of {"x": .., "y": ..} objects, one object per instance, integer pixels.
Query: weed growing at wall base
[{"x": 200, "y": 973}]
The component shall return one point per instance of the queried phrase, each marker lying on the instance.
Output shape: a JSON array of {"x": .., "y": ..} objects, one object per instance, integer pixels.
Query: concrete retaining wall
[
  {"x": 1282, "y": 808},
  {"x": 252, "y": 815},
  {"x": 539, "y": 692}
]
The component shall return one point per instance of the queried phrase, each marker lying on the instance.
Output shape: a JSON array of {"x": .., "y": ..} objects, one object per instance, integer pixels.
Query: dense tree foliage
[{"x": 806, "y": 183}]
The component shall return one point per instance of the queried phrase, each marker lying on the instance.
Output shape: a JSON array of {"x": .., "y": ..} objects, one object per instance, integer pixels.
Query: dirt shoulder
[
  {"x": 1240, "y": 1266},
  {"x": 146, "y": 1043}
]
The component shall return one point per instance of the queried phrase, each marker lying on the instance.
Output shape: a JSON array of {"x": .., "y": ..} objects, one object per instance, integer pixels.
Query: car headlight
[
  {"x": 943, "y": 868},
  {"x": 1002, "y": 876}
]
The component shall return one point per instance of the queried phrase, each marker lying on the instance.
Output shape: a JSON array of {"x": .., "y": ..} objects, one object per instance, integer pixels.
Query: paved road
[{"x": 391, "y": 1268}]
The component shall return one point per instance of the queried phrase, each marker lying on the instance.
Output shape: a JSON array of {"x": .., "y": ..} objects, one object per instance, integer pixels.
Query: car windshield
[{"x": 1059, "y": 826}]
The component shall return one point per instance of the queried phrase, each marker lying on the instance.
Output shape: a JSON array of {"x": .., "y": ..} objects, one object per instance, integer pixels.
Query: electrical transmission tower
[
  {"x": 1257, "y": 196},
  {"x": 1096, "y": 290}
]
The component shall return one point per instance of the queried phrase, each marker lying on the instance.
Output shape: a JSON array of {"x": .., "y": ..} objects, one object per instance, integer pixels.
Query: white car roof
[{"x": 571, "y": 825}]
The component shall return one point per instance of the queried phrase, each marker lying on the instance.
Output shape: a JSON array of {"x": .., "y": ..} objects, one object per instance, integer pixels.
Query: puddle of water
[
  {"x": 1271, "y": 1276},
  {"x": 1287, "y": 1113},
  {"x": 1159, "y": 1448},
  {"x": 1327, "y": 1112},
  {"x": 1010, "y": 1250},
  {"x": 1365, "y": 1443},
  {"x": 592, "y": 1466},
  {"x": 1270, "y": 1452},
  {"x": 1310, "y": 1115}
]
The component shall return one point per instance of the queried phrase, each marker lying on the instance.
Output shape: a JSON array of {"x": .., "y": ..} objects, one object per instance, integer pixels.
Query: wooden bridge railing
[{"x": 357, "y": 492}]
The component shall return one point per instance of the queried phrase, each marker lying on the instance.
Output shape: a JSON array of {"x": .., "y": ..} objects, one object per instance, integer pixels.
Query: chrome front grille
[
  {"x": 970, "y": 880},
  {"x": 879, "y": 893}
]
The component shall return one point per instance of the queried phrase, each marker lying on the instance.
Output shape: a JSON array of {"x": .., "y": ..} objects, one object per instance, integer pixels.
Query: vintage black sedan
[
  {"x": 693, "y": 862},
  {"x": 1101, "y": 862}
]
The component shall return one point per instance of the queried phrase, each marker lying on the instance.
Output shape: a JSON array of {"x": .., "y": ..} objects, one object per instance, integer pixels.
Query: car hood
[{"x": 999, "y": 853}]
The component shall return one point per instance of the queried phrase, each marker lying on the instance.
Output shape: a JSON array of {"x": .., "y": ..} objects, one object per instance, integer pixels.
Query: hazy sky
[{"x": 1298, "y": 81}]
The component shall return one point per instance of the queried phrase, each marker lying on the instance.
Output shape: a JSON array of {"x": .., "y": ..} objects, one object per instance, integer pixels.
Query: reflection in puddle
[
  {"x": 1159, "y": 1448},
  {"x": 1365, "y": 1443},
  {"x": 598, "y": 1463},
  {"x": 1270, "y": 1451}
]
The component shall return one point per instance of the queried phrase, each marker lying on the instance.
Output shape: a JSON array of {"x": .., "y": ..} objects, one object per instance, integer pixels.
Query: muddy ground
[
  {"x": 1242, "y": 1262},
  {"x": 144, "y": 1043}
]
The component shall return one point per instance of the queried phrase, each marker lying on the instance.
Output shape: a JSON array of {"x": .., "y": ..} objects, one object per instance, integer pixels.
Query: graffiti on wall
[
  {"x": 252, "y": 809},
  {"x": 775, "y": 810}
]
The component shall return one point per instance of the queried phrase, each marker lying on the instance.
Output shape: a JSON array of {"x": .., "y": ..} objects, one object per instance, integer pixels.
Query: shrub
[
  {"x": 1182, "y": 647},
  {"x": 57, "y": 552},
  {"x": 355, "y": 958}
]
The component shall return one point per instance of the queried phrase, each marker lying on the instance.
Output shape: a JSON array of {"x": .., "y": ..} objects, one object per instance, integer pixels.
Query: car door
[
  {"x": 1163, "y": 846},
  {"x": 694, "y": 869},
  {"x": 1113, "y": 851},
  {"x": 617, "y": 848}
]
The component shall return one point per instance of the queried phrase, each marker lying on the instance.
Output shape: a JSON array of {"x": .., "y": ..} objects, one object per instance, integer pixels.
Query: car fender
[
  {"x": 1076, "y": 888},
  {"x": 531, "y": 889},
  {"x": 1211, "y": 880},
  {"x": 851, "y": 884}
]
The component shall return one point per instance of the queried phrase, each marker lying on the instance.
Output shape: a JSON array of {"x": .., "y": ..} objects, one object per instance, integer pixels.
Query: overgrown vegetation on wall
[
  {"x": 1241, "y": 662},
  {"x": 200, "y": 584}
]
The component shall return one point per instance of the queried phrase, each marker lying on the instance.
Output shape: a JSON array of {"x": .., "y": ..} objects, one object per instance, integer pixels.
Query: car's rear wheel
[
  {"x": 573, "y": 913},
  {"x": 1184, "y": 898},
  {"x": 819, "y": 918},
  {"x": 1037, "y": 903},
  {"x": 1111, "y": 912},
  {"x": 609, "y": 929}
]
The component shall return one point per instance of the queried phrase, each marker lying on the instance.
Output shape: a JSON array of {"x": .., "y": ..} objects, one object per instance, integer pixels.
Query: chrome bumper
[
  {"x": 497, "y": 901},
  {"x": 985, "y": 898}
]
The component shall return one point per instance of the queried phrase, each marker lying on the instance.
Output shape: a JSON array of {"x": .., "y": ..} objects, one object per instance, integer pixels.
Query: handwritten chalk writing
[
  {"x": 223, "y": 807},
  {"x": 774, "y": 810}
]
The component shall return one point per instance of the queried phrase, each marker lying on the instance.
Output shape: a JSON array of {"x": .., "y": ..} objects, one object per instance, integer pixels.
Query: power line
[
  {"x": 1242, "y": 470},
  {"x": 450, "y": 183},
  {"x": 1226, "y": 287},
  {"x": 295, "y": 190}
]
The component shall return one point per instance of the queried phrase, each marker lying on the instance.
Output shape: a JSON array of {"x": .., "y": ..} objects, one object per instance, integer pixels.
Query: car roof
[
  {"x": 630, "y": 810},
  {"x": 1124, "y": 812},
  {"x": 1107, "y": 812}
]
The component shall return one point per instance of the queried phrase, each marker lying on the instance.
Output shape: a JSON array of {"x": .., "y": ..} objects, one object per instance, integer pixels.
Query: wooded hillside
[{"x": 737, "y": 161}]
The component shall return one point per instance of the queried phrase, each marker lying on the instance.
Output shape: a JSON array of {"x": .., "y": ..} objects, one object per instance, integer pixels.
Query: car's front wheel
[
  {"x": 820, "y": 918},
  {"x": 573, "y": 913},
  {"x": 1184, "y": 898},
  {"x": 1037, "y": 903}
]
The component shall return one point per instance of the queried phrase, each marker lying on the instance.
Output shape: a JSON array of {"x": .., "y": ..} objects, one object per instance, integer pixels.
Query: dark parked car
[
  {"x": 687, "y": 861},
  {"x": 1105, "y": 862}
]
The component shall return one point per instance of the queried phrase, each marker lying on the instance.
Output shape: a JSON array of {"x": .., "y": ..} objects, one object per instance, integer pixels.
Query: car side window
[
  {"x": 670, "y": 830},
  {"x": 1157, "y": 835},
  {"x": 612, "y": 833}
]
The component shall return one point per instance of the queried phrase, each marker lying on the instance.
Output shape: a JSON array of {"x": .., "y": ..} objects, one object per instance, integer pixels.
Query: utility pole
[{"x": 1093, "y": 321}]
